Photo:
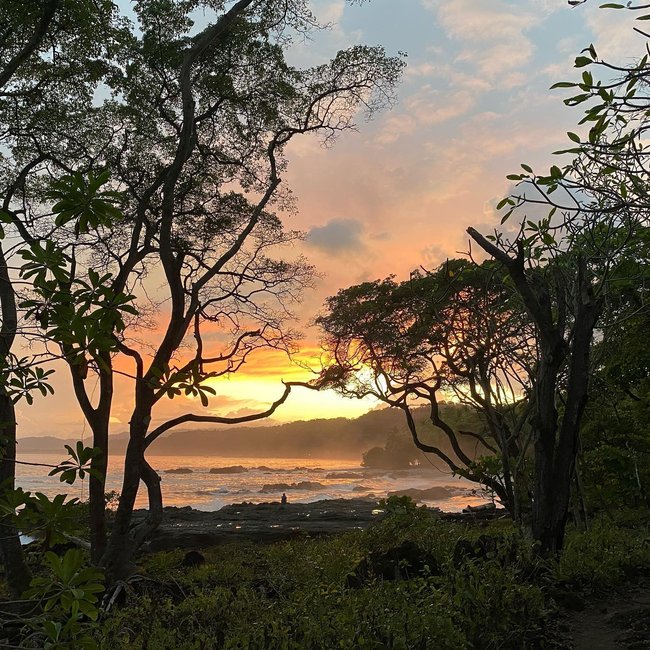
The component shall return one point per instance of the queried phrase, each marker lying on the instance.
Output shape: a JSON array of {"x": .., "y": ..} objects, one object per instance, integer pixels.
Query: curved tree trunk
[
  {"x": 119, "y": 549},
  {"x": 125, "y": 539}
]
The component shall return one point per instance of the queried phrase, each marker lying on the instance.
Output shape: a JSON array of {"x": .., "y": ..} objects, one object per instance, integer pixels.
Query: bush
[
  {"x": 604, "y": 556},
  {"x": 294, "y": 595}
]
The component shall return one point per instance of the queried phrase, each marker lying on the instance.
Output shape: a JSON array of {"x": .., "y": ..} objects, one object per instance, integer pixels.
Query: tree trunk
[
  {"x": 16, "y": 569},
  {"x": 119, "y": 549},
  {"x": 556, "y": 446},
  {"x": 98, "y": 419},
  {"x": 125, "y": 540},
  {"x": 97, "y": 496}
]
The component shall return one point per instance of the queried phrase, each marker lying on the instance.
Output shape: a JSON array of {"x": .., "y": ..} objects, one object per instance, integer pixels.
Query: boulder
[
  {"x": 192, "y": 559},
  {"x": 179, "y": 470},
  {"x": 403, "y": 562},
  {"x": 485, "y": 547},
  {"x": 283, "y": 487},
  {"x": 484, "y": 507},
  {"x": 232, "y": 469}
]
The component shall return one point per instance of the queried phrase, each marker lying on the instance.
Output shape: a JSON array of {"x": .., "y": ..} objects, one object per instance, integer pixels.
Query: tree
[
  {"x": 615, "y": 450},
  {"x": 456, "y": 331},
  {"x": 565, "y": 315},
  {"x": 53, "y": 63},
  {"x": 29, "y": 32},
  {"x": 194, "y": 136},
  {"x": 13, "y": 52},
  {"x": 565, "y": 264}
]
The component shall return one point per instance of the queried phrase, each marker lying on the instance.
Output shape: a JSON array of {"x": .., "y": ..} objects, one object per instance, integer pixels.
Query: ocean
[{"x": 259, "y": 480}]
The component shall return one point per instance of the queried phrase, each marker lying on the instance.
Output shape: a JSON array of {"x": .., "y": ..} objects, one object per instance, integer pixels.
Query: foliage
[
  {"x": 50, "y": 519},
  {"x": 77, "y": 464},
  {"x": 175, "y": 167},
  {"x": 69, "y": 597},
  {"x": 605, "y": 555},
  {"x": 455, "y": 330},
  {"x": 62, "y": 599},
  {"x": 295, "y": 594},
  {"x": 579, "y": 245},
  {"x": 20, "y": 378}
]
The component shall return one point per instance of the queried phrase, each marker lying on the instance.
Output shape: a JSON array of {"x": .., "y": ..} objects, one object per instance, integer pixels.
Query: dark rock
[
  {"x": 192, "y": 559},
  {"x": 283, "y": 487},
  {"x": 567, "y": 599},
  {"x": 232, "y": 469},
  {"x": 179, "y": 470},
  {"x": 403, "y": 562},
  {"x": 484, "y": 507},
  {"x": 486, "y": 547},
  {"x": 260, "y": 522},
  {"x": 429, "y": 494}
]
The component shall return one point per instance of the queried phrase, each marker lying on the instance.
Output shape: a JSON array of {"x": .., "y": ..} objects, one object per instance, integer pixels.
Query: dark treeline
[{"x": 323, "y": 438}]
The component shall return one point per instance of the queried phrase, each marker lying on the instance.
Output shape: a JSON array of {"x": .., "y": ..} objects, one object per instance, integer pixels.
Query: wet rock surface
[
  {"x": 187, "y": 528},
  {"x": 283, "y": 487},
  {"x": 264, "y": 522}
]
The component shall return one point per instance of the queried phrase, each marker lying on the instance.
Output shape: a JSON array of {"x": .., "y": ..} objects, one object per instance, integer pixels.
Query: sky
[{"x": 398, "y": 194}]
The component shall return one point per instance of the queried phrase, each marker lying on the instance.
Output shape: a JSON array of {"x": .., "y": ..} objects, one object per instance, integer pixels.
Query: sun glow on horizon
[{"x": 246, "y": 395}]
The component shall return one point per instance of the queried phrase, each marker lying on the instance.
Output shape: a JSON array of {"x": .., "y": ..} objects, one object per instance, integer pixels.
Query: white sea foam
[{"x": 206, "y": 491}]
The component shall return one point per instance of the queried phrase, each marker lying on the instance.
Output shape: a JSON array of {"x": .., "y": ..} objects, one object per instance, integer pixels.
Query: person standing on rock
[{"x": 283, "y": 499}]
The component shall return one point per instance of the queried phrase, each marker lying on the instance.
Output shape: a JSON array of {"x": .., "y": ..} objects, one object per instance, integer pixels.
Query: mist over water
[{"x": 264, "y": 480}]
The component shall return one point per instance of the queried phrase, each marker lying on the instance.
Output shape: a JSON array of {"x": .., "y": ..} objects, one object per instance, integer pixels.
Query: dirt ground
[{"x": 620, "y": 621}]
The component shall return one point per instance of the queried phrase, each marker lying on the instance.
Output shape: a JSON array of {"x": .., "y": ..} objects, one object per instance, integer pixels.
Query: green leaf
[
  {"x": 573, "y": 136},
  {"x": 582, "y": 61}
]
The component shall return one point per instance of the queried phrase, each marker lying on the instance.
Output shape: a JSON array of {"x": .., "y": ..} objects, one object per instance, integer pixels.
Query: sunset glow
[{"x": 398, "y": 194}]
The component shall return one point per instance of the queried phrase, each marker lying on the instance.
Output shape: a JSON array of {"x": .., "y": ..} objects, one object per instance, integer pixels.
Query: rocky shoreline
[{"x": 187, "y": 528}]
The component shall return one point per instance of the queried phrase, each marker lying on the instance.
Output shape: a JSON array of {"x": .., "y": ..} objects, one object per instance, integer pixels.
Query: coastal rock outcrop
[
  {"x": 232, "y": 469},
  {"x": 434, "y": 493},
  {"x": 283, "y": 487}
]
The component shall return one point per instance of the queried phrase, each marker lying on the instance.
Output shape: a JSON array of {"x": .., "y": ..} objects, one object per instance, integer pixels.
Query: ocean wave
[{"x": 209, "y": 493}]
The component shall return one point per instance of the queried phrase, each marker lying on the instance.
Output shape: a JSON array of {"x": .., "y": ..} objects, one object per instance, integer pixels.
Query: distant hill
[{"x": 331, "y": 438}]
